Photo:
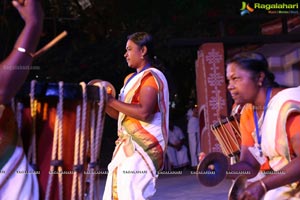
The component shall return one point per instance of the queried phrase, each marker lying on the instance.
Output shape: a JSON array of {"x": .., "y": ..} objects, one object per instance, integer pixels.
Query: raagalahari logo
[
  {"x": 271, "y": 8},
  {"x": 246, "y": 9}
]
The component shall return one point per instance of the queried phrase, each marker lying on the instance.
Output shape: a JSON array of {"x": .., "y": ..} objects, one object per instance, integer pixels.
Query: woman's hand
[
  {"x": 30, "y": 10},
  {"x": 253, "y": 192},
  {"x": 201, "y": 157}
]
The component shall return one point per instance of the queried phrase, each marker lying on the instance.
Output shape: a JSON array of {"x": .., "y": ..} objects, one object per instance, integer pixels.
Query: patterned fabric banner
[{"x": 211, "y": 92}]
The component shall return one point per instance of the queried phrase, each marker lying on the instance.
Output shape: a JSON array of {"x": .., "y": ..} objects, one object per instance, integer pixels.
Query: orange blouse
[
  {"x": 147, "y": 80},
  {"x": 247, "y": 126}
]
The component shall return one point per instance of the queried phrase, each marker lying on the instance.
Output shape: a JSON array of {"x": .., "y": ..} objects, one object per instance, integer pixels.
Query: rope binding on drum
[{"x": 57, "y": 148}]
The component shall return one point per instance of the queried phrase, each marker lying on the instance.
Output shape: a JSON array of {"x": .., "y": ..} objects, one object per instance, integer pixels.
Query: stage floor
[{"x": 185, "y": 186}]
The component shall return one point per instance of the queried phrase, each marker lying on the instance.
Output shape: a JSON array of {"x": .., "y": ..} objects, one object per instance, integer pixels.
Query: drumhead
[{"x": 71, "y": 91}]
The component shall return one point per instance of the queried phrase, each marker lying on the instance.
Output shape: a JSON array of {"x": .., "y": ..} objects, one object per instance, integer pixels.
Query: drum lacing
[
  {"x": 79, "y": 150},
  {"x": 95, "y": 140},
  {"x": 33, "y": 114},
  {"x": 227, "y": 137},
  {"x": 57, "y": 151}
]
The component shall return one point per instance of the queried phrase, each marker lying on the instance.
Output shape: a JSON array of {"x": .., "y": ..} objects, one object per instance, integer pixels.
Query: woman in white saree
[{"x": 142, "y": 111}]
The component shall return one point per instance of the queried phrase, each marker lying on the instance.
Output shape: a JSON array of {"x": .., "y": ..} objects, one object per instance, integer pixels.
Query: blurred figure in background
[
  {"x": 192, "y": 116},
  {"x": 177, "y": 151}
]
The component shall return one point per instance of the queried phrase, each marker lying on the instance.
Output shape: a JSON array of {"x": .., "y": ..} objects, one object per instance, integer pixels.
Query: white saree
[
  {"x": 139, "y": 153},
  {"x": 275, "y": 143},
  {"x": 17, "y": 179}
]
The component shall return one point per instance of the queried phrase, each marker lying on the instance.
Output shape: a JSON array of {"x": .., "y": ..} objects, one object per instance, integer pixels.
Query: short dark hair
[
  {"x": 143, "y": 39},
  {"x": 255, "y": 63}
]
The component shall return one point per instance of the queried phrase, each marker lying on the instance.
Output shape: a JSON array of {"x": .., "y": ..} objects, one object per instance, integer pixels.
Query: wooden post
[{"x": 211, "y": 92}]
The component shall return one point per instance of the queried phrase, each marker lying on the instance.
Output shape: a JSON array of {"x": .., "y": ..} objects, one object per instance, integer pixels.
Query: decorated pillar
[{"x": 211, "y": 92}]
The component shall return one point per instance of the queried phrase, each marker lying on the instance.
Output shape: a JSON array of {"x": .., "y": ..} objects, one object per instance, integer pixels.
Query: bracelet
[
  {"x": 22, "y": 50},
  {"x": 263, "y": 185}
]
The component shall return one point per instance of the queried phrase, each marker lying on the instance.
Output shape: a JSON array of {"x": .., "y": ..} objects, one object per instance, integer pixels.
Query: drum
[
  {"x": 227, "y": 132},
  {"x": 61, "y": 127}
]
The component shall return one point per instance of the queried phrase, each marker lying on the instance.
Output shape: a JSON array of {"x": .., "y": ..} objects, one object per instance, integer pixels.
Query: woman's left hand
[{"x": 254, "y": 191}]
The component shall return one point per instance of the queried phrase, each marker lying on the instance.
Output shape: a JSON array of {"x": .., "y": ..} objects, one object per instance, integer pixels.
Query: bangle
[
  {"x": 263, "y": 185},
  {"x": 22, "y": 50}
]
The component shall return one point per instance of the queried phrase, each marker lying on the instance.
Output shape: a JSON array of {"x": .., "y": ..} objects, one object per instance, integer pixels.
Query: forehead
[
  {"x": 235, "y": 69},
  {"x": 131, "y": 44}
]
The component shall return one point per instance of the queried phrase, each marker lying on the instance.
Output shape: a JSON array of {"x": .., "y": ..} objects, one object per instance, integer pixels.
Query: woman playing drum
[
  {"x": 142, "y": 112},
  {"x": 13, "y": 72}
]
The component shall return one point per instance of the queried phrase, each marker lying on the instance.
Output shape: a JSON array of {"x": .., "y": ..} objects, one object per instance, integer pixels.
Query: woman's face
[
  {"x": 133, "y": 54},
  {"x": 241, "y": 85}
]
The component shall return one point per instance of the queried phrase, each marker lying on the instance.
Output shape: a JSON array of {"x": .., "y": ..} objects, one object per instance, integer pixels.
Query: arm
[
  {"x": 113, "y": 113},
  {"x": 12, "y": 78},
  {"x": 141, "y": 111},
  {"x": 247, "y": 161},
  {"x": 290, "y": 173},
  {"x": 247, "y": 164}
]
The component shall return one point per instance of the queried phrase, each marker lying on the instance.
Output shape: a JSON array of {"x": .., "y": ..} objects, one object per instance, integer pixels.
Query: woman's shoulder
[
  {"x": 277, "y": 90},
  {"x": 128, "y": 76},
  {"x": 286, "y": 93}
]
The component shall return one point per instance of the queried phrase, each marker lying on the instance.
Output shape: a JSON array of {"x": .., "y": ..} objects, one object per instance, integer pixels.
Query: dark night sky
[
  {"x": 96, "y": 38},
  {"x": 95, "y": 44}
]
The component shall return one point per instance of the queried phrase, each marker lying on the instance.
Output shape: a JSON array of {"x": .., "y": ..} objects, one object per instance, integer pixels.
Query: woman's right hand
[
  {"x": 30, "y": 10},
  {"x": 201, "y": 156}
]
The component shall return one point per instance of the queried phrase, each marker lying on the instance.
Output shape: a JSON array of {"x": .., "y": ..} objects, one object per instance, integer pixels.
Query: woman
[
  {"x": 14, "y": 185},
  {"x": 142, "y": 112},
  {"x": 269, "y": 126}
]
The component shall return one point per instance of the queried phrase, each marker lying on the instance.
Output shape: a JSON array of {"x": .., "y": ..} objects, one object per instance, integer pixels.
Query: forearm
[
  {"x": 28, "y": 39},
  {"x": 15, "y": 68},
  {"x": 289, "y": 174},
  {"x": 241, "y": 168},
  {"x": 133, "y": 110},
  {"x": 112, "y": 112}
]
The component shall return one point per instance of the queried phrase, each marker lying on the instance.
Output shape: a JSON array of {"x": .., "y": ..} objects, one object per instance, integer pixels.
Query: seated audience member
[{"x": 176, "y": 150}]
